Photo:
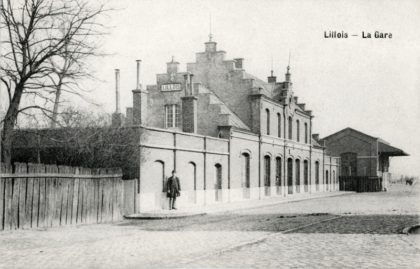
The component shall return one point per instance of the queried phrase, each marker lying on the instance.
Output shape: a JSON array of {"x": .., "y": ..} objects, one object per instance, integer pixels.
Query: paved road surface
[{"x": 353, "y": 231}]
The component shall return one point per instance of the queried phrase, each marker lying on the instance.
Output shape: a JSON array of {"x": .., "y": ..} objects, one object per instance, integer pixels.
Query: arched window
[
  {"x": 290, "y": 127},
  {"x": 297, "y": 130},
  {"x": 267, "y": 174},
  {"x": 306, "y": 133},
  {"x": 278, "y": 125},
  {"x": 297, "y": 176},
  {"x": 317, "y": 175},
  {"x": 326, "y": 179},
  {"x": 290, "y": 175},
  {"x": 218, "y": 183},
  {"x": 245, "y": 170},
  {"x": 267, "y": 114},
  {"x": 278, "y": 171},
  {"x": 305, "y": 175}
]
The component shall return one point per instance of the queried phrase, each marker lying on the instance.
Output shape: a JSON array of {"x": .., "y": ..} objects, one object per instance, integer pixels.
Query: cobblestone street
[{"x": 352, "y": 231}]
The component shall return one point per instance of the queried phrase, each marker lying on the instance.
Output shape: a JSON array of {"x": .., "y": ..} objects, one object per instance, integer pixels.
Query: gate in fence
[{"x": 39, "y": 196}]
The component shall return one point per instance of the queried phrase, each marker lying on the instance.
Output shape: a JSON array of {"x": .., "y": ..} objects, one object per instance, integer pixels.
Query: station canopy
[{"x": 386, "y": 149}]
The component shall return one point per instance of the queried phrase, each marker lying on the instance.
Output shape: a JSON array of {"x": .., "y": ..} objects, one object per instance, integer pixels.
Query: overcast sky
[{"x": 369, "y": 84}]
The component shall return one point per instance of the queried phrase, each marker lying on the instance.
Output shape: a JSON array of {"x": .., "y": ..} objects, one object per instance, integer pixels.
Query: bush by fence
[{"x": 38, "y": 196}]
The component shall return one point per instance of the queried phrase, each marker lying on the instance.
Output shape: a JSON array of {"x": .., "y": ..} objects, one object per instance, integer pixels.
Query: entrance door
[
  {"x": 348, "y": 162},
  {"x": 158, "y": 172},
  {"x": 191, "y": 181},
  {"x": 218, "y": 183}
]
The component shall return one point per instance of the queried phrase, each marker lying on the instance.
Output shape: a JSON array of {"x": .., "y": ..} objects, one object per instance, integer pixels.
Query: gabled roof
[
  {"x": 224, "y": 109},
  {"x": 349, "y": 129},
  {"x": 383, "y": 146}
]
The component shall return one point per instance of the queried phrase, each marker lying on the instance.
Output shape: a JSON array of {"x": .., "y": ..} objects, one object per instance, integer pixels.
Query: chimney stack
[
  {"x": 139, "y": 110},
  {"x": 239, "y": 63},
  {"x": 117, "y": 90},
  {"x": 272, "y": 78},
  {"x": 117, "y": 117},
  {"x": 189, "y": 106},
  {"x": 189, "y": 85},
  {"x": 172, "y": 66},
  {"x": 189, "y": 114},
  {"x": 186, "y": 84},
  {"x": 138, "y": 75}
]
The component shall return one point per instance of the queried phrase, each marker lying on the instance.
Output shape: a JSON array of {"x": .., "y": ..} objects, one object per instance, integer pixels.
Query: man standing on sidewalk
[{"x": 173, "y": 189}]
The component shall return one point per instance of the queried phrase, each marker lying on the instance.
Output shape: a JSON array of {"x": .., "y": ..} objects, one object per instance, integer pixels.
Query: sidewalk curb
[
  {"x": 209, "y": 211},
  {"x": 148, "y": 216},
  {"x": 277, "y": 203}
]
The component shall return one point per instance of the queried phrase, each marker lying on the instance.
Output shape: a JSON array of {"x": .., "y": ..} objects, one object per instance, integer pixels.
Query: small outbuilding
[{"x": 362, "y": 156}]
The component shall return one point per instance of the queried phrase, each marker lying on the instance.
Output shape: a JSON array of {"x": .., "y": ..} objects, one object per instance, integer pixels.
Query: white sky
[{"x": 370, "y": 85}]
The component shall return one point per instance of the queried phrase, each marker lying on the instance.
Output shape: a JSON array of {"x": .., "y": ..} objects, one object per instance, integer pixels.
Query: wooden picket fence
[
  {"x": 360, "y": 183},
  {"x": 41, "y": 196}
]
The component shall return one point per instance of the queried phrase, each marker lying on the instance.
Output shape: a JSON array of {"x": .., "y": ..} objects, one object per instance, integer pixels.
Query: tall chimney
[
  {"x": 138, "y": 74},
  {"x": 191, "y": 84},
  {"x": 117, "y": 117},
  {"x": 189, "y": 114},
  {"x": 139, "y": 111},
  {"x": 189, "y": 87},
  {"x": 186, "y": 79},
  {"x": 117, "y": 90}
]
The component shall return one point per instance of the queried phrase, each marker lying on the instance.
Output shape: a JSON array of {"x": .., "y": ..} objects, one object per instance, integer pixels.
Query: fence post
[
  {"x": 5, "y": 198},
  {"x": 2, "y": 184},
  {"x": 33, "y": 197}
]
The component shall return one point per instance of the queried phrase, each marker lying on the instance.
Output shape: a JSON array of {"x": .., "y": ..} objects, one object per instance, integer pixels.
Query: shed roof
[
  {"x": 389, "y": 150},
  {"x": 383, "y": 146}
]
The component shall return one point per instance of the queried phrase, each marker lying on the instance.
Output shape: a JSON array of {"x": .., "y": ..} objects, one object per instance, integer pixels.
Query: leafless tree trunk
[{"x": 41, "y": 35}]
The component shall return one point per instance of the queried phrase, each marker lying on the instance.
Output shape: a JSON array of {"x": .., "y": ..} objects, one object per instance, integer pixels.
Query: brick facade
[
  {"x": 362, "y": 154},
  {"x": 189, "y": 114},
  {"x": 217, "y": 116}
]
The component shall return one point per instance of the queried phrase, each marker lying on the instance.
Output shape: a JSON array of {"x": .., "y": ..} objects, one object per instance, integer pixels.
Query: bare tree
[
  {"x": 69, "y": 68},
  {"x": 73, "y": 117},
  {"x": 42, "y": 37}
]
